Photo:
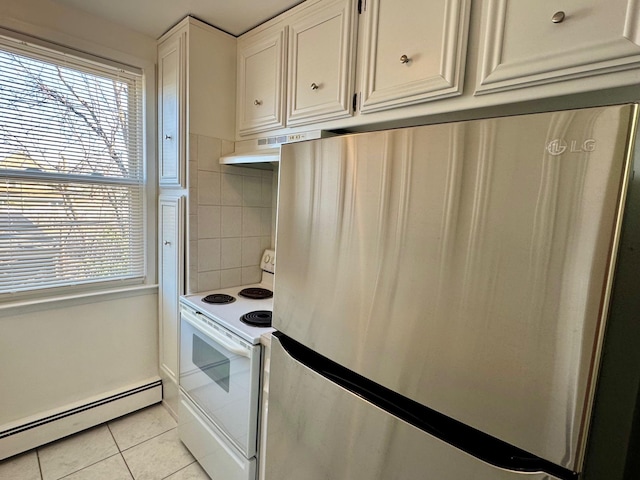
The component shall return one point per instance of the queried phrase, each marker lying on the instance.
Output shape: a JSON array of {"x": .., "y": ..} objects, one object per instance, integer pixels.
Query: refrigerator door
[
  {"x": 318, "y": 430},
  {"x": 465, "y": 266}
]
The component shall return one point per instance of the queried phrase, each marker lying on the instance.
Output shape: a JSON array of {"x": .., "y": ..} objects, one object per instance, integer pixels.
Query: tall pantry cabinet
[{"x": 196, "y": 108}]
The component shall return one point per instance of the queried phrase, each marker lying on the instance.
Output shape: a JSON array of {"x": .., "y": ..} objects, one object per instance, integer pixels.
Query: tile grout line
[
  {"x": 150, "y": 438},
  {"x": 179, "y": 470},
  {"x": 147, "y": 440},
  {"x": 39, "y": 465},
  {"x": 119, "y": 450},
  {"x": 84, "y": 468}
]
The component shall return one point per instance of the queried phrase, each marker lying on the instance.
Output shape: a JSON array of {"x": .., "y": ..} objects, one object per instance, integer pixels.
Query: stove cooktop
[{"x": 228, "y": 314}]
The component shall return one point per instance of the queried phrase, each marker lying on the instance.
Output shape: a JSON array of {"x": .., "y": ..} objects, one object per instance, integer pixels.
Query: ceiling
[{"x": 154, "y": 17}]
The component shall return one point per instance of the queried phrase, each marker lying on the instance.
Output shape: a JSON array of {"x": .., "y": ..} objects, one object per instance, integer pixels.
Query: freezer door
[
  {"x": 466, "y": 266},
  {"x": 318, "y": 430}
]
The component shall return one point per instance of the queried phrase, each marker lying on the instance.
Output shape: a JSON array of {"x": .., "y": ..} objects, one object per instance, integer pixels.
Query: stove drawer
[{"x": 217, "y": 456}]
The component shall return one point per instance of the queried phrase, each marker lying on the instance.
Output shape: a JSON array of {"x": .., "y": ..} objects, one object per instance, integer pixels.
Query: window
[{"x": 71, "y": 171}]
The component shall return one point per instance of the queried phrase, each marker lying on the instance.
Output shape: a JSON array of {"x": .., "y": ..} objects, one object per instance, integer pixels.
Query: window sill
[{"x": 62, "y": 301}]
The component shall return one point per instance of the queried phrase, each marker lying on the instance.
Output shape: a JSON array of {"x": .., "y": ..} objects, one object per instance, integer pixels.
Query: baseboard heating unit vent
[{"x": 32, "y": 432}]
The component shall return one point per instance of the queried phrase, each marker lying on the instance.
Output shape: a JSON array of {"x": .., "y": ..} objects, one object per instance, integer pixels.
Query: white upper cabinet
[
  {"x": 321, "y": 63},
  {"x": 170, "y": 100},
  {"x": 532, "y": 43},
  {"x": 196, "y": 85},
  {"x": 414, "y": 51},
  {"x": 261, "y": 61}
]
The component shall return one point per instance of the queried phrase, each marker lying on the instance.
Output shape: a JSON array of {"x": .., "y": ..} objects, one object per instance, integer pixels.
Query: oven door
[{"x": 220, "y": 373}]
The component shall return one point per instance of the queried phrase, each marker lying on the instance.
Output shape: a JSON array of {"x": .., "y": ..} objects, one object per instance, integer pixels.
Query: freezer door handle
[{"x": 468, "y": 439}]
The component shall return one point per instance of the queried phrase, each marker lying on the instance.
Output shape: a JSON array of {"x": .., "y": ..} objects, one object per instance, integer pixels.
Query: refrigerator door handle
[{"x": 468, "y": 439}]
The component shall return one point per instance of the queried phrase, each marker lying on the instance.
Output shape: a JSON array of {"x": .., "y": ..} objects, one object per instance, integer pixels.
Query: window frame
[{"x": 24, "y": 45}]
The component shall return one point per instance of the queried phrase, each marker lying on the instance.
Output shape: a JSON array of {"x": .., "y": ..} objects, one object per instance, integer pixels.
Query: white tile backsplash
[
  {"x": 265, "y": 242},
  {"x": 192, "y": 281},
  {"x": 192, "y": 253},
  {"x": 193, "y": 148},
  {"x": 266, "y": 218},
  {"x": 193, "y": 226},
  {"x": 266, "y": 191},
  {"x": 230, "y": 277},
  {"x": 251, "y": 251},
  {"x": 232, "y": 189},
  {"x": 209, "y": 221},
  {"x": 209, "y": 281},
  {"x": 193, "y": 173},
  {"x": 251, "y": 275},
  {"x": 209, "y": 250},
  {"x": 208, "y": 188},
  {"x": 231, "y": 217},
  {"x": 251, "y": 221},
  {"x": 231, "y": 222},
  {"x": 192, "y": 202},
  {"x": 252, "y": 191},
  {"x": 231, "y": 253}
]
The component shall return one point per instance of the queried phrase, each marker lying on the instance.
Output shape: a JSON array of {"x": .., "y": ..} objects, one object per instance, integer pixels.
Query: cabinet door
[
  {"x": 171, "y": 102},
  {"x": 414, "y": 51},
  {"x": 533, "y": 43},
  {"x": 171, "y": 279},
  {"x": 321, "y": 46},
  {"x": 261, "y": 82}
]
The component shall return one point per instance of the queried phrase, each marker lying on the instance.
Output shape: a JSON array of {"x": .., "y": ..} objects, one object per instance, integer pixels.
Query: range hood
[{"x": 267, "y": 149}]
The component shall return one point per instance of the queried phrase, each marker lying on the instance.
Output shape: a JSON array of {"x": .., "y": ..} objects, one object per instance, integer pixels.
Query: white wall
[
  {"x": 59, "y": 24},
  {"x": 63, "y": 352},
  {"x": 58, "y": 354}
]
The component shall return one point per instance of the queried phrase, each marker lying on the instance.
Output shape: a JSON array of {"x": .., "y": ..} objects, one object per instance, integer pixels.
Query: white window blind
[{"x": 71, "y": 171}]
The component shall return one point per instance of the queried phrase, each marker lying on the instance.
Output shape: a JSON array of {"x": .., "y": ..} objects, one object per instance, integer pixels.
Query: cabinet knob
[
  {"x": 558, "y": 17},
  {"x": 167, "y": 137},
  {"x": 167, "y": 242},
  {"x": 404, "y": 59},
  {"x": 257, "y": 102},
  {"x": 315, "y": 86}
]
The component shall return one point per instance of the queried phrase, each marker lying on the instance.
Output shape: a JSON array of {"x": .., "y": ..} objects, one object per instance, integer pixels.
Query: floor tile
[
  {"x": 76, "y": 452},
  {"x": 192, "y": 472},
  {"x": 142, "y": 425},
  {"x": 113, "y": 468},
  {"x": 158, "y": 458},
  {"x": 20, "y": 467}
]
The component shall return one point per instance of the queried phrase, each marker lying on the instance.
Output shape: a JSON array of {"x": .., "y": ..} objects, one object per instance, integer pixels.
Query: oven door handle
[{"x": 211, "y": 333}]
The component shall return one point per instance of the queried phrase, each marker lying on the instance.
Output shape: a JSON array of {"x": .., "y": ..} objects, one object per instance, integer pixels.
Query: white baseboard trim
[{"x": 38, "y": 430}]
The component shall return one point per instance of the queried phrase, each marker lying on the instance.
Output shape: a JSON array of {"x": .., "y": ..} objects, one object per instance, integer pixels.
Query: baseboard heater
[{"x": 38, "y": 430}]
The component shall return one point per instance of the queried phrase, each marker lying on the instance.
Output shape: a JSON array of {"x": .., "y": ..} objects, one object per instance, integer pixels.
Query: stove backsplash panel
[{"x": 231, "y": 212}]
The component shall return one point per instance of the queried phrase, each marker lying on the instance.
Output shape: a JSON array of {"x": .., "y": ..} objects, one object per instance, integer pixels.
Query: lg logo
[{"x": 560, "y": 146}]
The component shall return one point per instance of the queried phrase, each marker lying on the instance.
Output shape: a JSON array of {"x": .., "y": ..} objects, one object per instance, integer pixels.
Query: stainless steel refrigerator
[{"x": 441, "y": 297}]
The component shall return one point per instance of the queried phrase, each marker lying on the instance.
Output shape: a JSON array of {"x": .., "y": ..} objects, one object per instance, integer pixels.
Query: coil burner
[
  {"x": 219, "y": 298},
  {"x": 255, "y": 293},
  {"x": 257, "y": 318}
]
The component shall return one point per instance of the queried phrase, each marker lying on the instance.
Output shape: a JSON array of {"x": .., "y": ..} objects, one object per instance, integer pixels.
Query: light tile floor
[{"x": 143, "y": 445}]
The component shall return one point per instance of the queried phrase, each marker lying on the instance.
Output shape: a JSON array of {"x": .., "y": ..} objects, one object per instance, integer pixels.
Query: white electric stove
[{"x": 220, "y": 372}]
